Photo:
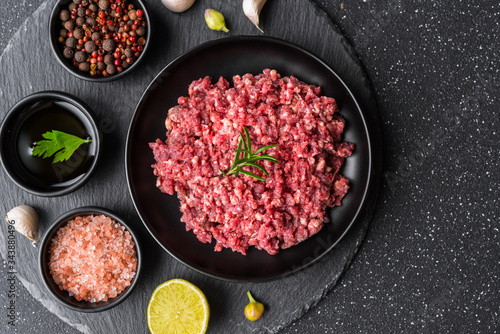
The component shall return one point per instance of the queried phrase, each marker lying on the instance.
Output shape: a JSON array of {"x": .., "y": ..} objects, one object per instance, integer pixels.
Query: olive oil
[{"x": 47, "y": 116}]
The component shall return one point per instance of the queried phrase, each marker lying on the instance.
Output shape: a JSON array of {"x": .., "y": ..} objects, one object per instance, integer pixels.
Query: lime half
[{"x": 178, "y": 306}]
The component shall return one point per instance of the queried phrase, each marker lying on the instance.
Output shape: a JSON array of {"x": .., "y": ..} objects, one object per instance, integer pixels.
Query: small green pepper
[
  {"x": 254, "y": 309},
  {"x": 215, "y": 20}
]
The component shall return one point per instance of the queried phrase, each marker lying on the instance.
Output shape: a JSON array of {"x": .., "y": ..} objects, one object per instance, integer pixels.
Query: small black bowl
[
  {"x": 25, "y": 124},
  {"x": 63, "y": 296},
  {"x": 54, "y": 32}
]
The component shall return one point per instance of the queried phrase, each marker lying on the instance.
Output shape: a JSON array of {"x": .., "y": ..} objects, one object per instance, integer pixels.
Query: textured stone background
[
  {"x": 286, "y": 299},
  {"x": 430, "y": 262}
]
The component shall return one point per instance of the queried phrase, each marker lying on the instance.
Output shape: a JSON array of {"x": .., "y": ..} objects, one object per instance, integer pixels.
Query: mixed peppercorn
[{"x": 102, "y": 37}]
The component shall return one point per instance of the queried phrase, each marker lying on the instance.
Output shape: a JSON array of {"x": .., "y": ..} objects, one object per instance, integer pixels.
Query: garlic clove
[
  {"x": 177, "y": 5},
  {"x": 252, "y": 9},
  {"x": 25, "y": 220}
]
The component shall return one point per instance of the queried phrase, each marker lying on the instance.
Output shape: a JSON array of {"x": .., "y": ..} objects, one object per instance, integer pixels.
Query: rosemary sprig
[{"x": 245, "y": 157}]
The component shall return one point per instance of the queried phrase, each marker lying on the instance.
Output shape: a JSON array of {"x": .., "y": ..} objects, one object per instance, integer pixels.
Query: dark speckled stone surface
[{"x": 430, "y": 261}]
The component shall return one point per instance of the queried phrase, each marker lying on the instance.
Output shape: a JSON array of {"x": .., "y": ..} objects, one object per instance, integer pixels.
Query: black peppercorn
[
  {"x": 109, "y": 59},
  {"x": 111, "y": 69},
  {"x": 68, "y": 53},
  {"x": 96, "y": 35},
  {"x": 129, "y": 52},
  {"x": 72, "y": 6},
  {"x": 85, "y": 3},
  {"x": 65, "y": 15},
  {"x": 69, "y": 25},
  {"x": 84, "y": 67},
  {"x": 91, "y": 21},
  {"x": 125, "y": 65},
  {"x": 80, "y": 56},
  {"x": 90, "y": 46},
  {"x": 101, "y": 66},
  {"x": 71, "y": 42},
  {"x": 141, "y": 31},
  {"x": 63, "y": 33},
  {"x": 80, "y": 21},
  {"x": 93, "y": 7},
  {"x": 80, "y": 11},
  {"x": 104, "y": 4},
  {"x": 108, "y": 45},
  {"x": 78, "y": 33}
]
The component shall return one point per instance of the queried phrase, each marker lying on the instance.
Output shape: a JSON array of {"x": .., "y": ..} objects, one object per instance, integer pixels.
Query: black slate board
[{"x": 114, "y": 103}]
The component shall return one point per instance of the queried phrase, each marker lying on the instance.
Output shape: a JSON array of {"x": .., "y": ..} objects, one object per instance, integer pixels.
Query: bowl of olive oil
[{"x": 49, "y": 143}]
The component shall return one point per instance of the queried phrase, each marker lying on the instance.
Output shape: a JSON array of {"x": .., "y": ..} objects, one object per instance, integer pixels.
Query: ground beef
[{"x": 241, "y": 211}]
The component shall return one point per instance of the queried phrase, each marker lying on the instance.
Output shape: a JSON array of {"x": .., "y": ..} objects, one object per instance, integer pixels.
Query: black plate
[{"x": 160, "y": 212}]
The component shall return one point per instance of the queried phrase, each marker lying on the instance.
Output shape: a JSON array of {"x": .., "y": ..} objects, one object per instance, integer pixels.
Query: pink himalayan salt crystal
[{"x": 93, "y": 258}]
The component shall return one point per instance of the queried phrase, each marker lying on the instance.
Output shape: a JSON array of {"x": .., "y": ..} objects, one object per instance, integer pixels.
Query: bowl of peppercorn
[{"x": 99, "y": 40}]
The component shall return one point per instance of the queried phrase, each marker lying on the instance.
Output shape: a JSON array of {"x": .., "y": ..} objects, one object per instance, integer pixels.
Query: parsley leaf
[{"x": 62, "y": 144}]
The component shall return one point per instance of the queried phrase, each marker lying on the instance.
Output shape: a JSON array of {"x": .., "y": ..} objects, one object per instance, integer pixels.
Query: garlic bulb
[
  {"x": 177, "y": 5},
  {"x": 252, "y": 9},
  {"x": 25, "y": 220}
]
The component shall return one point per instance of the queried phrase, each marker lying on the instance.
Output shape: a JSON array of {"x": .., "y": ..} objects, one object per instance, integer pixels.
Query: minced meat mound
[{"x": 241, "y": 211}]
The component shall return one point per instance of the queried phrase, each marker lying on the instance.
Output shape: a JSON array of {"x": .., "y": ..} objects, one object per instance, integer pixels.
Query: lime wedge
[{"x": 178, "y": 306}]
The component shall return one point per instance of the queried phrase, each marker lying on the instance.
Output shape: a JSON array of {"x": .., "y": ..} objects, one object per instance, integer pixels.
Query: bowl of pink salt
[{"x": 90, "y": 260}]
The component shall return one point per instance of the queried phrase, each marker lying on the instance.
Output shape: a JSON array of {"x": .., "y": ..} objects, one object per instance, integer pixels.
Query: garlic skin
[
  {"x": 252, "y": 9},
  {"x": 177, "y": 6},
  {"x": 25, "y": 220}
]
